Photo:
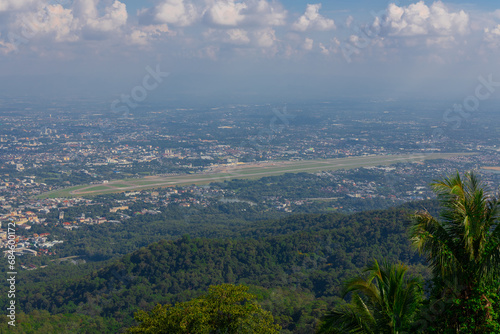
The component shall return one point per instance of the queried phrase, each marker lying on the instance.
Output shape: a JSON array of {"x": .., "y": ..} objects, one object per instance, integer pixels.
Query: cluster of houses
[
  {"x": 35, "y": 244},
  {"x": 19, "y": 218}
]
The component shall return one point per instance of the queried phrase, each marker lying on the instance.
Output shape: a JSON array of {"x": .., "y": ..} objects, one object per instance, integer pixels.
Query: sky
[{"x": 247, "y": 50}]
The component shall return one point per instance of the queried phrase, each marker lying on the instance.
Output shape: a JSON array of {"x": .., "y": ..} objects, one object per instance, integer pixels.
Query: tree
[
  {"x": 225, "y": 309},
  {"x": 383, "y": 302},
  {"x": 462, "y": 247}
]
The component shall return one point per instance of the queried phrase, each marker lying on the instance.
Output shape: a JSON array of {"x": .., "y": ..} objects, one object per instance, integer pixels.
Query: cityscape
[
  {"x": 44, "y": 154},
  {"x": 249, "y": 167}
]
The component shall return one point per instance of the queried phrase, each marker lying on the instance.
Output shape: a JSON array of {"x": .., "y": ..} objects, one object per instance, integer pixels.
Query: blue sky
[
  {"x": 337, "y": 5},
  {"x": 247, "y": 49}
]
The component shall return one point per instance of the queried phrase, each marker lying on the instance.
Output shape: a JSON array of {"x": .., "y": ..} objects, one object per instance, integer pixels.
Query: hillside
[{"x": 302, "y": 259}]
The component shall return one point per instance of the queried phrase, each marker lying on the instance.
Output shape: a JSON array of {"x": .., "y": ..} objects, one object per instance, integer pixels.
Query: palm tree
[
  {"x": 462, "y": 245},
  {"x": 383, "y": 302}
]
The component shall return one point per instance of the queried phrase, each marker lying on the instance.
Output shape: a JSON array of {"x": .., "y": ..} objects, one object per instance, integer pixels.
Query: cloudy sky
[{"x": 262, "y": 49}]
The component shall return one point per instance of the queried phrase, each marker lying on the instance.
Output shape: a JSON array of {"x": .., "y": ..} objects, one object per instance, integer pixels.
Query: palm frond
[
  {"x": 464, "y": 241},
  {"x": 350, "y": 318},
  {"x": 433, "y": 241},
  {"x": 382, "y": 301}
]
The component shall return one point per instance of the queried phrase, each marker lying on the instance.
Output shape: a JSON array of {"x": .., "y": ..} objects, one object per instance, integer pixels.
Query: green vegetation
[
  {"x": 295, "y": 265},
  {"x": 294, "y": 268},
  {"x": 224, "y": 309},
  {"x": 383, "y": 302},
  {"x": 42, "y": 322},
  {"x": 462, "y": 247}
]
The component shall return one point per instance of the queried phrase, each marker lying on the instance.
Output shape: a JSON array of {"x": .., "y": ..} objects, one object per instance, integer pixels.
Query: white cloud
[
  {"x": 249, "y": 23},
  {"x": 85, "y": 8},
  {"x": 237, "y": 36},
  {"x": 226, "y": 13},
  {"x": 348, "y": 21},
  {"x": 176, "y": 12},
  {"x": 308, "y": 44},
  {"x": 264, "y": 13},
  {"x": 312, "y": 20},
  {"x": 495, "y": 32},
  {"x": 496, "y": 14},
  {"x": 6, "y": 5},
  {"x": 7, "y": 47},
  {"x": 51, "y": 19},
  {"x": 492, "y": 36},
  {"x": 139, "y": 37},
  {"x": 418, "y": 19},
  {"x": 209, "y": 52},
  {"x": 115, "y": 17},
  {"x": 255, "y": 38},
  {"x": 86, "y": 15},
  {"x": 446, "y": 23},
  {"x": 69, "y": 24},
  {"x": 265, "y": 38},
  {"x": 324, "y": 49},
  {"x": 144, "y": 34},
  {"x": 252, "y": 12},
  {"x": 226, "y": 27},
  {"x": 331, "y": 49}
]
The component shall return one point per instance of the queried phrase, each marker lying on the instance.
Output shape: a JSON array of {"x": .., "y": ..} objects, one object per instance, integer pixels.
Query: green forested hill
[{"x": 296, "y": 264}]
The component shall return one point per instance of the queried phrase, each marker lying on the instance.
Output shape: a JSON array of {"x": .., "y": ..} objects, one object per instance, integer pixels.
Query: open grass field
[{"x": 242, "y": 171}]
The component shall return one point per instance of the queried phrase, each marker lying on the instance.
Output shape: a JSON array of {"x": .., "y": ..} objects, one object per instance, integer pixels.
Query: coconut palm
[
  {"x": 385, "y": 301},
  {"x": 462, "y": 245}
]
